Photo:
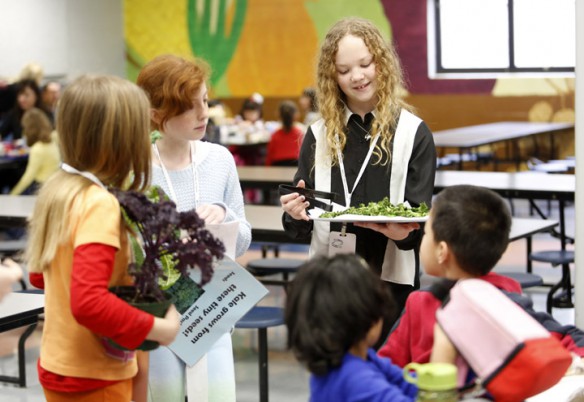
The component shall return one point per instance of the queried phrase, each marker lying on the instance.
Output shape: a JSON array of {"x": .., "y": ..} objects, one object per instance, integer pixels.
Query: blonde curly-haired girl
[{"x": 367, "y": 146}]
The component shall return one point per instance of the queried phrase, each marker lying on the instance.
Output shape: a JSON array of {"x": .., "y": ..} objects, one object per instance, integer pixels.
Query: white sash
[
  {"x": 398, "y": 265},
  {"x": 322, "y": 181}
]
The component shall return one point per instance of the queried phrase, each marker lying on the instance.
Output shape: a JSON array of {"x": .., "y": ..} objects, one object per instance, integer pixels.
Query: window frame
[{"x": 437, "y": 71}]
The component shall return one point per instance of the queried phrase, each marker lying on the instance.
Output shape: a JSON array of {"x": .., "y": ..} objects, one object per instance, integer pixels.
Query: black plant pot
[{"x": 154, "y": 307}]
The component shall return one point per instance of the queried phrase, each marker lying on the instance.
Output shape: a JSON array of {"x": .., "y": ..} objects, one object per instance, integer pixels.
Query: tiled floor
[{"x": 288, "y": 380}]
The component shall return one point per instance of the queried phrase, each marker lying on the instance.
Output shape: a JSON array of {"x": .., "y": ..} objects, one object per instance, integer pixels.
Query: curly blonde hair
[{"x": 389, "y": 81}]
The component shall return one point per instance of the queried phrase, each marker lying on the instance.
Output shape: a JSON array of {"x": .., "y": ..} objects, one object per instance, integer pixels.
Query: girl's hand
[
  {"x": 394, "y": 231},
  {"x": 165, "y": 329},
  {"x": 10, "y": 273},
  {"x": 295, "y": 204},
  {"x": 211, "y": 213}
]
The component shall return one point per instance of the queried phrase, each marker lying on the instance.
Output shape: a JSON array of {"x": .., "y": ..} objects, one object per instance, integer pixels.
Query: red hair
[{"x": 171, "y": 82}]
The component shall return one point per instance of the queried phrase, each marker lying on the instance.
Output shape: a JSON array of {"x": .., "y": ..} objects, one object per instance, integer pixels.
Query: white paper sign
[{"x": 225, "y": 299}]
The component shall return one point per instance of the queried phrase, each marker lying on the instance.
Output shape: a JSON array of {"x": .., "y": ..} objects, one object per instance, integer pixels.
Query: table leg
[
  {"x": 562, "y": 225},
  {"x": 21, "y": 379},
  {"x": 517, "y": 152},
  {"x": 537, "y": 209},
  {"x": 535, "y": 146},
  {"x": 529, "y": 249},
  {"x": 552, "y": 146},
  {"x": 561, "y": 234},
  {"x": 460, "y": 163},
  {"x": 263, "y": 356}
]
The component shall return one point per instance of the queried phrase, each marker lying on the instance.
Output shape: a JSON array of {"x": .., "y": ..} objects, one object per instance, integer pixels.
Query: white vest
[{"x": 398, "y": 265}]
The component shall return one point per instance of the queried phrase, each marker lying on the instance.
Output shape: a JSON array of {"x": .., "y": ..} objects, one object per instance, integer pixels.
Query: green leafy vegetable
[{"x": 382, "y": 208}]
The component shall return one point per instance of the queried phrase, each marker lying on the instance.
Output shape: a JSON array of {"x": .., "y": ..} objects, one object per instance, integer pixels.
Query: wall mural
[
  {"x": 214, "y": 31},
  {"x": 270, "y": 46},
  {"x": 242, "y": 40}
]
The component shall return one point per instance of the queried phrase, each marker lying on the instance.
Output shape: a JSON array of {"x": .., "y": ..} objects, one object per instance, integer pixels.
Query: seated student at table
[
  {"x": 43, "y": 158},
  {"x": 9, "y": 87},
  {"x": 28, "y": 96},
  {"x": 50, "y": 94},
  {"x": 465, "y": 236},
  {"x": 284, "y": 145},
  {"x": 333, "y": 336},
  {"x": 251, "y": 110},
  {"x": 249, "y": 121}
]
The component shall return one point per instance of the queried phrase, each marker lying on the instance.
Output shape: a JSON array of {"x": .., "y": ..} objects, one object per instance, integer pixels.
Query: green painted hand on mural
[{"x": 210, "y": 36}]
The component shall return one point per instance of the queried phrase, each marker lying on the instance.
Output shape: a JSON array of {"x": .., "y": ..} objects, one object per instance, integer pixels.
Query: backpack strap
[{"x": 441, "y": 290}]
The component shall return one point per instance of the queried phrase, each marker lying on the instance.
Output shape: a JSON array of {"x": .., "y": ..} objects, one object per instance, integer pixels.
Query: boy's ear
[{"x": 443, "y": 252}]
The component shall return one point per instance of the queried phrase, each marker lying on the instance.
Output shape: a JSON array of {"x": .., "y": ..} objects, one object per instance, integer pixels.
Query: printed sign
[{"x": 216, "y": 308}]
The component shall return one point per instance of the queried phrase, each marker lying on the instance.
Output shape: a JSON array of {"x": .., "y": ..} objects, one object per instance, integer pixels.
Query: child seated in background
[
  {"x": 334, "y": 314},
  {"x": 249, "y": 121},
  {"x": 43, "y": 158},
  {"x": 284, "y": 145},
  {"x": 466, "y": 234},
  {"x": 309, "y": 106},
  {"x": 252, "y": 111}
]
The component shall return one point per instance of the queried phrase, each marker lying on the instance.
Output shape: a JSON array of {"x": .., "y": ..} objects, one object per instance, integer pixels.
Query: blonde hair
[
  {"x": 389, "y": 81},
  {"x": 36, "y": 126},
  {"x": 31, "y": 71},
  {"x": 103, "y": 128}
]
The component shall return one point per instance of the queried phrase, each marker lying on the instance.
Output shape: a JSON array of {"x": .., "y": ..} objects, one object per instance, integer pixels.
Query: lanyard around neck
[
  {"x": 363, "y": 166},
  {"x": 70, "y": 169},
  {"x": 167, "y": 176}
]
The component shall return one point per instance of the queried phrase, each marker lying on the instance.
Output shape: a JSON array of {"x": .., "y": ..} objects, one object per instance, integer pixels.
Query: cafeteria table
[
  {"x": 523, "y": 185},
  {"x": 266, "y": 226},
  {"x": 470, "y": 137},
  {"x": 19, "y": 310}
]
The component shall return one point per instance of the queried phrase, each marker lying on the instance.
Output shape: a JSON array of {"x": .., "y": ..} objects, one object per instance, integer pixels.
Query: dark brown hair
[
  {"x": 331, "y": 305},
  {"x": 250, "y": 104},
  {"x": 475, "y": 223},
  {"x": 288, "y": 112}
]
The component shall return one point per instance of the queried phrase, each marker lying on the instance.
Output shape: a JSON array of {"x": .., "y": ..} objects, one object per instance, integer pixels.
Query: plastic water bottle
[{"x": 435, "y": 381}]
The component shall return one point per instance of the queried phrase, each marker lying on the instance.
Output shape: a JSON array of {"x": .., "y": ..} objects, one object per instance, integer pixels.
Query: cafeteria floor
[{"x": 288, "y": 381}]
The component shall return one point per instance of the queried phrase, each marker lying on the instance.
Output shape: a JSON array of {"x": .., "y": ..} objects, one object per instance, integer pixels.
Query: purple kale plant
[{"x": 168, "y": 239}]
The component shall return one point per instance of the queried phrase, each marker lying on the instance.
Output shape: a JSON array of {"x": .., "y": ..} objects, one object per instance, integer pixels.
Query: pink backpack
[{"x": 513, "y": 356}]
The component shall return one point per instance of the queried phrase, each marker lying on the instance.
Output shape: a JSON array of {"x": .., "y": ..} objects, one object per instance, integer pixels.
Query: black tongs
[{"x": 311, "y": 195}]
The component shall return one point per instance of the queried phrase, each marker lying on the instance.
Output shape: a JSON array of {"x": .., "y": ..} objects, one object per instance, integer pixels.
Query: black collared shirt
[{"x": 373, "y": 186}]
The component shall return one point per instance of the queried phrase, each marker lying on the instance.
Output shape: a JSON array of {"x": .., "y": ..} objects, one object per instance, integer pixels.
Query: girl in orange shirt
[{"x": 78, "y": 245}]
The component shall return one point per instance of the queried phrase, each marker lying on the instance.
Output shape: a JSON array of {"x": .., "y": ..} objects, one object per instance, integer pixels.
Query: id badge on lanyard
[{"x": 342, "y": 242}]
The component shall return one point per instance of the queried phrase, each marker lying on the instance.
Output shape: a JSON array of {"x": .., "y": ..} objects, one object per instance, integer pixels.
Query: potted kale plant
[{"x": 165, "y": 244}]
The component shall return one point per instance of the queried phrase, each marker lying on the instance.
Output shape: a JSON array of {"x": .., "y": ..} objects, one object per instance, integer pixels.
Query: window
[{"x": 490, "y": 38}]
